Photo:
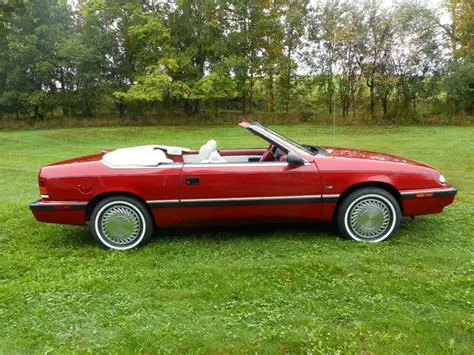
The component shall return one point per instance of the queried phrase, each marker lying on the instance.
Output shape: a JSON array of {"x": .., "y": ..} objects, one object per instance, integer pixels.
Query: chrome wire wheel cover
[
  {"x": 120, "y": 224},
  {"x": 370, "y": 218}
]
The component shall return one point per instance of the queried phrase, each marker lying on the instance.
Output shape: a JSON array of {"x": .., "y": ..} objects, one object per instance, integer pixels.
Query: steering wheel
[{"x": 268, "y": 155}]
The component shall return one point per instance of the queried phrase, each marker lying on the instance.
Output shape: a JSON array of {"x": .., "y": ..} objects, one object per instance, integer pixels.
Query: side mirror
[{"x": 294, "y": 159}]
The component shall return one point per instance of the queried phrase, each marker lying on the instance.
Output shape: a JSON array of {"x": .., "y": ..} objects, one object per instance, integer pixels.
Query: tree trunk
[
  {"x": 121, "y": 109},
  {"x": 330, "y": 93},
  {"x": 38, "y": 115},
  {"x": 385, "y": 107},
  {"x": 197, "y": 107},
  {"x": 372, "y": 99},
  {"x": 244, "y": 98},
  {"x": 188, "y": 108},
  {"x": 353, "y": 104},
  {"x": 346, "y": 105},
  {"x": 288, "y": 79},
  {"x": 270, "y": 93},
  {"x": 87, "y": 109},
  {"x": 63, "y": 94},
  {"x": 251, "y": 92}
]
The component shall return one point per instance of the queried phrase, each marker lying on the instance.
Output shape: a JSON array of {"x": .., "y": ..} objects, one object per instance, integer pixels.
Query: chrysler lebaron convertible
[{"x": 125, "y": 194}]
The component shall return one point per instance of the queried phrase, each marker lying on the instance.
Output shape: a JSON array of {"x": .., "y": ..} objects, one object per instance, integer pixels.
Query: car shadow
[
  {"x": 77, "y": 237},
  {"x": 227, "y": 232}
]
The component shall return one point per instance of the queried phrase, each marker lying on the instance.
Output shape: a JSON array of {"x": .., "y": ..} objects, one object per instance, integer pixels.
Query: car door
[{"x": 249, "y": 192}]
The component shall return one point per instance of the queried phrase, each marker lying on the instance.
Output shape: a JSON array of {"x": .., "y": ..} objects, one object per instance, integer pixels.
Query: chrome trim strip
[
  {"x": 269, "y": 198},
  {"x": 236, "y": 165},
  {"x": 248, "y": 201},
  {"x": 39, "y": 205},
  {"x": 62, "y": 203},
  {"x": 233, "y": 201},
  {"x": 44, "y": 196},
  {"x": 331, "y": 195},
  {"x": 163, "y": 203},
  {"x": 428, "y": 191}
]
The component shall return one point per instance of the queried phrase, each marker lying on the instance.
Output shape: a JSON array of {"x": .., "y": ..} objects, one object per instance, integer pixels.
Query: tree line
[{"x": 132, "y": 57}]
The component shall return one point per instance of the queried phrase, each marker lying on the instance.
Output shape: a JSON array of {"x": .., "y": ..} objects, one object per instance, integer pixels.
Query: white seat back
[
  {"x": 215, "y": 157},
  {"x": 207, "y": 149}
]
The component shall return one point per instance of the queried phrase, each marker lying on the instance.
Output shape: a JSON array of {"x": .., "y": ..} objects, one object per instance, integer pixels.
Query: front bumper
[
  {"x": 427, "y": 201},
  {"x": 62, "y": 212}
]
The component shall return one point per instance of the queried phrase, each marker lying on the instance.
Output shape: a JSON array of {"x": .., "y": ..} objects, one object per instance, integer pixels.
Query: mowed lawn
[{"x": 268, "y": 289}]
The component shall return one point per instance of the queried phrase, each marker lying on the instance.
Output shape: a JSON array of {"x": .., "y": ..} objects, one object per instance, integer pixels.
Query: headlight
[{"x": 442, "y": 179}]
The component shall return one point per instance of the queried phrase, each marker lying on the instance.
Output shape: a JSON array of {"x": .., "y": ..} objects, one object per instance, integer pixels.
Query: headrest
[
  {"x": 212, "y": 144},
  {"x": 207, "y": 149}
]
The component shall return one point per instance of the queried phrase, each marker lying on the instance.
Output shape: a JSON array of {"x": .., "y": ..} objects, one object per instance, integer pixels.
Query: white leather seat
[
  {"x": 215, "y": 158},
  {"x": 208, "y": 153}
]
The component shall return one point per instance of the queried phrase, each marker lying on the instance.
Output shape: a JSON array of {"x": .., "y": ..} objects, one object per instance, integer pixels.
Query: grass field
[{"x": 270, "y": 289}]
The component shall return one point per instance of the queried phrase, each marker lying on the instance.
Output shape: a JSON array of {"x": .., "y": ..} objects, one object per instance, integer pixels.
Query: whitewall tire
[
  {"x": 369, "y": 215},
  {"x": 121, "y": 223}
]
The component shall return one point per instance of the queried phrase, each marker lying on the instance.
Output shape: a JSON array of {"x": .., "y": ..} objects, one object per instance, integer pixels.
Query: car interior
[
  {"x": 208, "y": 153},
  {"x": 153, "y": 155}
]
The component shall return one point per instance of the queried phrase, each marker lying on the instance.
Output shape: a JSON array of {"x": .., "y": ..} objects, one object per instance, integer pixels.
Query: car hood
[{"x": 367, "y": 155}]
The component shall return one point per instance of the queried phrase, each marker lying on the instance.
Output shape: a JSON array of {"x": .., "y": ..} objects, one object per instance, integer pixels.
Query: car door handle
[{"x": 192, "y": 180}]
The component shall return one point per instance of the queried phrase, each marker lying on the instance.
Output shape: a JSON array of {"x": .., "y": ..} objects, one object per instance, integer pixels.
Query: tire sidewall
[
  {"x": 144, "y": 216},
  {"x": 357, "y": 196}
]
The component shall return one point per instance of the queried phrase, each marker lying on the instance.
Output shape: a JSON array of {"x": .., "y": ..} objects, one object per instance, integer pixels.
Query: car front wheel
[
  {"x": 369, "y": 215},
  {"x": 121, "y": 223}
]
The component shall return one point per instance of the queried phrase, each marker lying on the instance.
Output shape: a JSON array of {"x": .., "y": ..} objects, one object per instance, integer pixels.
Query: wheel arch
[
  {"x": 96, "y": 199},
  {"x": 379, "y": 184}
]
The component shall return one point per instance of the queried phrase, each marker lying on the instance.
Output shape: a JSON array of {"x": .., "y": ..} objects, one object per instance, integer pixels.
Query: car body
[{"x": 136, "y": 189}]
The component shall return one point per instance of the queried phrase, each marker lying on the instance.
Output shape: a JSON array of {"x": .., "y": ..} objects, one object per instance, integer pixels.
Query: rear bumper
[
  {"x": 63, "y": 212},
  {"x": 429, "y": 201}
]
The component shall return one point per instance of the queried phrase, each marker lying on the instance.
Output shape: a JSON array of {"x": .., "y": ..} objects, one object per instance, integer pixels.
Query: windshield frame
[{"x": 277, "y": 139}]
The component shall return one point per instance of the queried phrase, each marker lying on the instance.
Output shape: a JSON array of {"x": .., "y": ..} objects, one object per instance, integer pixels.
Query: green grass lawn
[{"x": 270, "y": 289}]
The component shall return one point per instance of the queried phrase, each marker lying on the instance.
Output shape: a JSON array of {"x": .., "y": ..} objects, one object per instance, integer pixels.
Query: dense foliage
[{"x": 132, "y": 57}]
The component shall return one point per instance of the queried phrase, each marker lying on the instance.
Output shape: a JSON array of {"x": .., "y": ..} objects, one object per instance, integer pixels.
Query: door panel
[{"x": 235, "y": 193}]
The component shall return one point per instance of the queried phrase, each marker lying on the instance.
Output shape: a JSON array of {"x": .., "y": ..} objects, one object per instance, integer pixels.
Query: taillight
[{"x": 42, "y": 188}]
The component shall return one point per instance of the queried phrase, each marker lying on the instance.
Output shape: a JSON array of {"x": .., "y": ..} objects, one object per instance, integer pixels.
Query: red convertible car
[{"x": 125, "y": 194}]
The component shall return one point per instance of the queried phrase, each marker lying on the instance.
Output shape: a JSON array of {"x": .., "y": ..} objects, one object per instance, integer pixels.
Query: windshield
[
  {"x": 282, "y": 142},
  {"x": 288, "y": 140}
]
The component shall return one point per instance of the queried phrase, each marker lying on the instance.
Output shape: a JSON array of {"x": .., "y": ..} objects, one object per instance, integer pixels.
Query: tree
[
  {"x": 35, "y": 32},
  {"x": 416, "y": 57},
  {"x": 460, "y": 80},
  {"x": 243, "y": 42},
  {"x": 129, "y": 56},
  {"x": 329, "y": 38},
  {"x": 375, "y": 47}
]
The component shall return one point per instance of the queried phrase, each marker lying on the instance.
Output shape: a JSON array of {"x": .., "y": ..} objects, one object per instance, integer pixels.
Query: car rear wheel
[
  {"x": 121, "y": 223},
  {"x": 369, "y": 215}
]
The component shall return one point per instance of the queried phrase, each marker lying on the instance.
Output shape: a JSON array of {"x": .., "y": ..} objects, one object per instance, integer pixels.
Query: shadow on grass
[
  {"x": 79, "y": 237},
  {"x": 260, "y": 231}
]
